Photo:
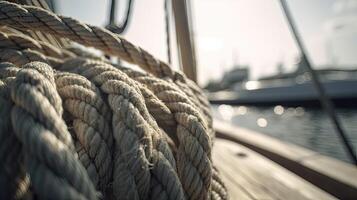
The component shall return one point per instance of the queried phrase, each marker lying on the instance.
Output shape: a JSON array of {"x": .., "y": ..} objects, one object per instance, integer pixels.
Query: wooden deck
[{"x": 249, "y": 175}]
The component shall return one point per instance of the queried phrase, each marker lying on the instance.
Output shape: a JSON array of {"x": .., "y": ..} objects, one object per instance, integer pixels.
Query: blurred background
[
  {"x": 245, "y": 51},
  {"x": 240, "y": 32}
]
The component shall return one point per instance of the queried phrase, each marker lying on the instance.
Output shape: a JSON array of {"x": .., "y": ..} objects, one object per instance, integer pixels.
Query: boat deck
[{"x": 249, "y": 175}]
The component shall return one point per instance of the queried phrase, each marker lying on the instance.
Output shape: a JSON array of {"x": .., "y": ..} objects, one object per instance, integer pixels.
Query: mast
[{"x": 185, "y": 42}]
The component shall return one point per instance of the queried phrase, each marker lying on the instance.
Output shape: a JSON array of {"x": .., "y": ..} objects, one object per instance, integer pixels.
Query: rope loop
[{"x": 74, "y": 125}]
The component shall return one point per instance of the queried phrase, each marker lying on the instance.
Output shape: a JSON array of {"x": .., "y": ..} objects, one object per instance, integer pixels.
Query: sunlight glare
[
  {"x": 241, "y": 110},
  {"x": 226, "y": 111},
  {"x": 279, "y": 110},
  {"x": 262, "y": 122},
  {"x": 252, "y": 85}
]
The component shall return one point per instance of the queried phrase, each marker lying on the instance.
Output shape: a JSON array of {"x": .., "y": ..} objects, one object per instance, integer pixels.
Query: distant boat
[
  {"x": 292, "y": 89},
  {"x": 238, "y": 74}
]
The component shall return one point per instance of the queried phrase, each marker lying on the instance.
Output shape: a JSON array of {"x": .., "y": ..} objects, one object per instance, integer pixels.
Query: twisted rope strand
[
  {"x": 131, "y": 132},
  {"x": 13, "y": 178},
  {"x": 22, "y": 57},
  {"x": 219, "y": 190},
  {"x": 83, "y": 101},
  {"x": 18, "y": 42},
  {"x": 36, "y": 119},
  {"x": 193, "y": 140}
]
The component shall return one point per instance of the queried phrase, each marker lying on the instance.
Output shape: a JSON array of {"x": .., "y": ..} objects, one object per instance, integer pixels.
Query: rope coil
[{"x": 85, "y": 128}]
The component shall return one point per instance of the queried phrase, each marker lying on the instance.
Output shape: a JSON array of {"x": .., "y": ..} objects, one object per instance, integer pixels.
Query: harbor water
[{"x": 307, "y": 127}]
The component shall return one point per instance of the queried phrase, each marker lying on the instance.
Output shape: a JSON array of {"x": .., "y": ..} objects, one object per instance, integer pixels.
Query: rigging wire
[{"x": 323, "y": 97}]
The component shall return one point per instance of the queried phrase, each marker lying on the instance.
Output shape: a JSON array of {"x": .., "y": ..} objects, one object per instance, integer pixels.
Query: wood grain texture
[{"x": 248, "y": 175}]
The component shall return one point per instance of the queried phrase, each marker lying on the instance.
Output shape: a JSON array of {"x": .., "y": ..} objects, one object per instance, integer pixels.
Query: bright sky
[{"x": 247, "y": 32}]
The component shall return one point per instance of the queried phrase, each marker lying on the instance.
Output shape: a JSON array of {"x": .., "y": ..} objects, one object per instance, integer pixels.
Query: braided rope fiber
[
  {"x": 12, "y": 173},
  {"x": 73, "y": 125}
]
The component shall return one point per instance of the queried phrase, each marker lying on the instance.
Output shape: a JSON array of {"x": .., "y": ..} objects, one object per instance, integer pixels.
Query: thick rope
[
  {"x": 194, "y": 143},
  {"x": 219, "y": 190},
  {"x": 16, "y": 41},
  {"x": 126, "y": 100},
  {"x": 173, "y": 106},
  {"x": 90, "y": 123},
  {"x": 37, "y": 123},
  {"x": 14, "y": 181},
  {"x": 128, "y": 134},
  {"x": 21, "y": 57}
]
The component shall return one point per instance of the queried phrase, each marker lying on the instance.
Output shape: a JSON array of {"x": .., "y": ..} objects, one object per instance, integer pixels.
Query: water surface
[{"x": 307, "y": 127}]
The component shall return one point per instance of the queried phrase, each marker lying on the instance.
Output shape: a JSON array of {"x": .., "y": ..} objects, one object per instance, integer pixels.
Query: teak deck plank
[
  {"x": 328, "y": 174},
  {"x": 236, "y": 191},
  {"x": 252, "y": 176}
]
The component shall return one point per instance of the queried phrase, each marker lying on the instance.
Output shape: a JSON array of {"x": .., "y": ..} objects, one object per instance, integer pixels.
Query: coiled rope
[{"x": 75, "y": 126}]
